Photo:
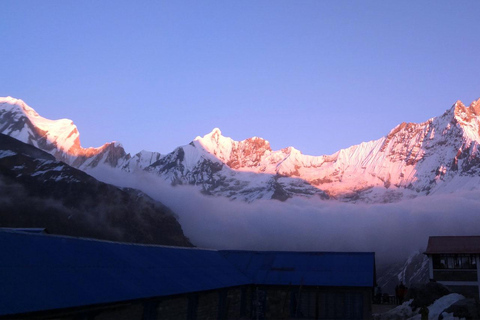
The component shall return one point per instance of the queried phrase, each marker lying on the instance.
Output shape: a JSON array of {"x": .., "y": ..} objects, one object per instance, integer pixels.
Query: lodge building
[
  {"x": 454, "y": 261},
  {"x": 45, "y": 276}
]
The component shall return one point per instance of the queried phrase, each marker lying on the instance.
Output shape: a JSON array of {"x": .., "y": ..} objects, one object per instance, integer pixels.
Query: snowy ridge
[
  {"x": 140, "y": 161},
  {"x": 58, "y": 137},
  {"x": 411, "y": 272},
  {"x": 61, "y": 133},
  {"x": 439, "y": 155}
]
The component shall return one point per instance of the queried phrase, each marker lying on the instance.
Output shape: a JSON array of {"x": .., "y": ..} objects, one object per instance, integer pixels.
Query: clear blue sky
[{"x": 316, "y": 75}]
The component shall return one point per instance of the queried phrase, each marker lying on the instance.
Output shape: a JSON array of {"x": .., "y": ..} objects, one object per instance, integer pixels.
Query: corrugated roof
[
  {"x": 453, "y": 244},
  {"x": 306, "y": 268},
  {"x": 31, "y": 230},
  {"x": 42, "y": 272}
]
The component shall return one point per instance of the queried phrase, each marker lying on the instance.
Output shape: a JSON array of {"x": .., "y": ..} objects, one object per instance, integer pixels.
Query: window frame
[{"x": 455, "y": 261}]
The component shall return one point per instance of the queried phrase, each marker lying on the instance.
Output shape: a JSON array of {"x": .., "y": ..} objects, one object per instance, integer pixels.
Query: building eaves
[{"x": 453, "y": 245}]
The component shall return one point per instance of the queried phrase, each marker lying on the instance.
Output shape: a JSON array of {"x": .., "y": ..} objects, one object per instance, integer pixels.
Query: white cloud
[{"x": 393, "y": 231}]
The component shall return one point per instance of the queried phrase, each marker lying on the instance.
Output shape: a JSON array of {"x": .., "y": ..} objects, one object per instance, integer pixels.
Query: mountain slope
[
  {"x": 412, "y": 272},
  {"x": 58, "y": 137},
  {"x": 38, "y": 191},
  {"x": 440, "y": 155}
]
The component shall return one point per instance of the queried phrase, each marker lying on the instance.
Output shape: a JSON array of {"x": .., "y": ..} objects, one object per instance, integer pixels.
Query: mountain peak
[
  {"x": 20, "y": 104},
  {"x": 467, "y": 118},
  {"x": 458, "y": 104},
  {"x": 414, "y": 158},
  {"x": 214, "y": 135},
  {"x": 9, "y": 100},
  {"x": 216, "y": 131},
  {"x": 474, "y": 107},
  {"x": 291, "y": 150},
  {"x": 59, "y": 137},
  {"x": 465, "y": 114}
]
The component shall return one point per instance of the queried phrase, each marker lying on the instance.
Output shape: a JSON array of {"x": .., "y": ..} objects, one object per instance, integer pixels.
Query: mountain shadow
[{"x": 38, "y": 191}]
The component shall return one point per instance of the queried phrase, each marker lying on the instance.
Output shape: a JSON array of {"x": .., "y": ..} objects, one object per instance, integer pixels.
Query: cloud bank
[{"x": 393, "y": 231}]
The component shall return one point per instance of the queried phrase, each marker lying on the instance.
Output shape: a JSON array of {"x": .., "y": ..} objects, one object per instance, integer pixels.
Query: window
[
  {"x": 454, "y": 261},
  {"x": 451, "y": 262},
  {"x": 465, "y": 262}
]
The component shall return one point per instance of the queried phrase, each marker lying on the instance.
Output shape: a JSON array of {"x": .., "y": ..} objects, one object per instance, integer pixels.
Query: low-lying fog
[{"x": 393, "y": 231}]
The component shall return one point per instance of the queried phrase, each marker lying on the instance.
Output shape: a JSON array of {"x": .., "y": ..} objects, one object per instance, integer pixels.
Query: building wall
[
  {"x": 248, "y": 302},
  {"x": 166, "y": 308},
  {"x": 345, "y": 303},
  {"x": 300, "y": 302},
  {"x": 237, "y": 305},
  {"x": 215, "y": 304},
  {"x": 455, "y": 275},
  {"x": 207, "y": 306},
  {"x": 458, "y": 272},
  {"x": 127, "y": 312},
  {"x": 271, "y": 302}
]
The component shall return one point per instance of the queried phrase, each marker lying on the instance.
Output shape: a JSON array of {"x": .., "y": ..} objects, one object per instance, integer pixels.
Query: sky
[{"x": 316, "y": 75}]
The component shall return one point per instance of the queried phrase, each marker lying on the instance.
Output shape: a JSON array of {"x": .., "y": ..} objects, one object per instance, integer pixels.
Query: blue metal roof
[
  {"x": 345, "y": 269},
  {"x": 31, "y": 230},
  {"x": 42, "y": 272}
]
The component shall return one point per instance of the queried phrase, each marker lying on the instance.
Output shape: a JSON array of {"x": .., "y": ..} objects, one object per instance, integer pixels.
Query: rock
[
  {"x": 426, "y": 294},
  {"x": 465, "y": 308}
]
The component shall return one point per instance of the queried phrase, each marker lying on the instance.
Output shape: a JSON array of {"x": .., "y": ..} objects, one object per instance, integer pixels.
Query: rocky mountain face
[
  {"x": 436, "y": 156},
  {"x": 36, "y": 190},
  {"x": 412, "y": 272}
]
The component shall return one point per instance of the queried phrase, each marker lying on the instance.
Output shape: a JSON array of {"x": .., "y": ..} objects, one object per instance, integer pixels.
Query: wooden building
[
  {"x": 44, "y": 276},
  {"x": 455, "y": 263}
]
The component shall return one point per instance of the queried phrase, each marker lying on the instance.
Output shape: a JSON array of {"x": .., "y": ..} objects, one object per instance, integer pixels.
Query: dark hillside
[{"x": 38, "y": 191}]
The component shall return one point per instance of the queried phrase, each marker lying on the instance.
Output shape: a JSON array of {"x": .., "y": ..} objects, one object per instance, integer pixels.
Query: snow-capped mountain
[
  {"x": 439, "y": 155},
  {"x": 233, "y": 169},
  {"x": 58, "y": 137}
]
